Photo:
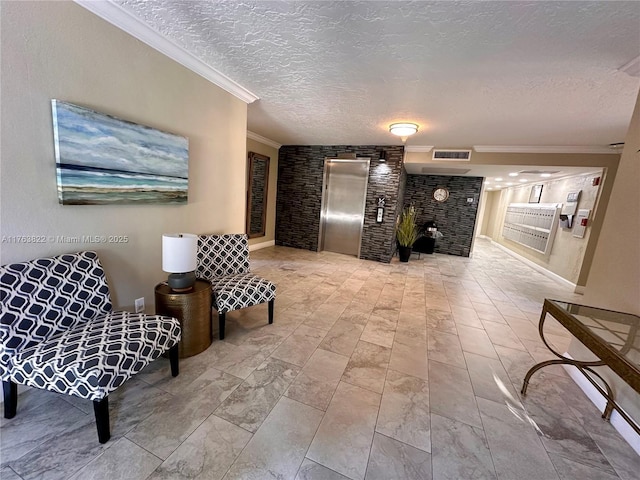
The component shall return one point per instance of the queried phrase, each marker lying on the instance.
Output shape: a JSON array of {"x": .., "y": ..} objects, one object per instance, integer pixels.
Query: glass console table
[{"x": 613, "y": 337}]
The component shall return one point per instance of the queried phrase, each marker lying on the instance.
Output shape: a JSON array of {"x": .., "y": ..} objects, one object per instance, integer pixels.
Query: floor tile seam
[
  {"x": 213, "y": 414},
  {"x": 213, "y": 367},
  {"x": 134, "y": 426},
  {"x": 472, "y": 393},
  {"x": 75, "y": 472},
  {"x": 239, "y": 453},
  {"x": 280, "y": 343},
  {"x": 613, "y": 464},
  {"x": 486, "y": 438},
  {"x": 308, "y": 326},
  {"x": 180, "y": 444},
  {"x": 14, "y": 472},
  {"x": 448, "y": 332},
  {"x": 497, "y": 357},
  {"x": 309, "y": 359},
  {"x": 66, "y": 398},
  {"x": 368, "y": 389},
  {"x": 162, "y": 460},
  {"x": 504, "y": 367},
  {"x": 375, "y": 424},
  {"x": 319, "y": 463},
  {"x": 426, "y": 380},
  {"x": 408, "y": 444},
  {"x": 304, "y": 403},
  {"x": 588, "y": 465},
  {"x": 9, "y": 463},
  {"x": 261, "y": 387},
  {"x": 573, "y": 417},
  {"x": 466, "y": 367},
  {"x": 325, "y": 413},
  {"x": 449, "y": 365}
]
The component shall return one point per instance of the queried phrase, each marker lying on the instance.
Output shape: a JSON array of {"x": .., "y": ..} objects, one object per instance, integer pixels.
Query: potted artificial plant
[{"x": 406, "y": 232}]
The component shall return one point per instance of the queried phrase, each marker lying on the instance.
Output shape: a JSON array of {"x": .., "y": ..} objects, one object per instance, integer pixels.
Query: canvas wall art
[{"x": 101, "y": 159}]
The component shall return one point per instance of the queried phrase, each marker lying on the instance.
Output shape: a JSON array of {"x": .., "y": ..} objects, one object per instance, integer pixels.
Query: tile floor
[{"x": 370, "y": 371}]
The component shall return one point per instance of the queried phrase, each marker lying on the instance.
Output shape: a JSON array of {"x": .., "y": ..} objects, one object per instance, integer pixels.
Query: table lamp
[{"x": 179, "y": 259}]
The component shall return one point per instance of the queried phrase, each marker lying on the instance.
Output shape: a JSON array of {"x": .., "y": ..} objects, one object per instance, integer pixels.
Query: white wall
[{"x": 60, "y": 50}]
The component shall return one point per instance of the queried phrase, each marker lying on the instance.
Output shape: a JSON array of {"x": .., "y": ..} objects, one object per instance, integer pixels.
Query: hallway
[{"x": 370, "y": 371}]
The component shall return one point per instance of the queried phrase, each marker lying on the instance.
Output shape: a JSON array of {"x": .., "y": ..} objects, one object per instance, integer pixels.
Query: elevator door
[{"x": 345, "y": 191}]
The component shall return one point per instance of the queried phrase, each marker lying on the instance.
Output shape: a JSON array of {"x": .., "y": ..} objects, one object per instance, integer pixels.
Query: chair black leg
[
  {"x": 101, "y": 410},
  {"x": 10, "y": 390},
  {"x": 271, "y": 310},
  {"x": 174, "y": 359},
  {"x": 221, "y": 324}
]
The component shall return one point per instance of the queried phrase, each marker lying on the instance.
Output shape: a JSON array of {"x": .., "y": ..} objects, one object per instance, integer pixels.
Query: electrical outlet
[{"x": 139, "y": 304}]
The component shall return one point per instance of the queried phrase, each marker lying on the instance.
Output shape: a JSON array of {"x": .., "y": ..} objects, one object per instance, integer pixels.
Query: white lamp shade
[{"x": 179, "y": 252}]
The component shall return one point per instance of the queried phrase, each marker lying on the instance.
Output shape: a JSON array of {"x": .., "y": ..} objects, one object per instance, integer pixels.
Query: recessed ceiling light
[
  {"x": 513, "y": 174},
  {"x": 489, "y": 188},
  {"x": 524, "y": 180},
  {"x": 509, "y": 184},
  {"x": 545, "y": 175},
  {"x": 487, "y": 182},
  {"x": 498, "y": 179}
]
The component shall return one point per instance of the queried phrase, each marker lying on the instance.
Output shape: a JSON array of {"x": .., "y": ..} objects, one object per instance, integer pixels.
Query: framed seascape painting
[{"x": 101, "y": 159}]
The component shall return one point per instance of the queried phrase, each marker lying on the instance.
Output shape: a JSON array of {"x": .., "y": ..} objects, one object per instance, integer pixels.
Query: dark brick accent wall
[
  {"x": 378, "y": 239},
  {"x": 299, "y": 197},
  {"x": 455, "y": 217},
  {"x": 300, "y": 169}
]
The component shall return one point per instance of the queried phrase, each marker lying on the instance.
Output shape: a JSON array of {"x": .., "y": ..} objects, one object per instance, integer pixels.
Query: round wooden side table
[{"x": 193, "y": 310}]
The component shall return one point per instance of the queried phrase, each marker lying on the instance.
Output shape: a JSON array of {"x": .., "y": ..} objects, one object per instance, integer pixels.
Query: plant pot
[{"x": 404, "y": 253}]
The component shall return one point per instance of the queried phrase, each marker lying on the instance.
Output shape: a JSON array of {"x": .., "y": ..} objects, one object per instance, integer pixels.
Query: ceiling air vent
[
  {"x": 445, "y": 171},
  {"x": 452, "y": 155},
  {"x": 539, "y": 172}
]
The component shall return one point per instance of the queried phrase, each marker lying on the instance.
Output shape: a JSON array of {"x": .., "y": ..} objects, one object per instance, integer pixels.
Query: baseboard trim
[
  {"x": 538, "y": 268},
  {"x": 619, "y": 423},
  {"x": 258, "y": 246}
]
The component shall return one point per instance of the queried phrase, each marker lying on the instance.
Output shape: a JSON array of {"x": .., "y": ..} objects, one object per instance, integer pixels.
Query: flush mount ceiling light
[{"x": 403, "y": 130}]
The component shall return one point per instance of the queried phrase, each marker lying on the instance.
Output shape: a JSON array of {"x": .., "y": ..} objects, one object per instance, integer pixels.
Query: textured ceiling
[{"x": 469, "y": 73}]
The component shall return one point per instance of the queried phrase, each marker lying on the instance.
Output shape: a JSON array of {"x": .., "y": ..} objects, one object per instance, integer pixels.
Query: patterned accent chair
[
  {"x": 224, "y": 261},
  {"x": 58, "y": 333}
]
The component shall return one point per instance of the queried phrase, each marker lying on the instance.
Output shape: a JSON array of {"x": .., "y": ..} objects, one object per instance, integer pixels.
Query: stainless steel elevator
[{"x": 343, "y": 202}]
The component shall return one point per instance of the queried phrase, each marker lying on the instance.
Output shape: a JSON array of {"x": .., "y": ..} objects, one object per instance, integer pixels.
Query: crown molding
[
  {"x": 126, "y": 21},
  {"x": 632, "y": 68},
  {"x": 587, "y": 149},
  {"x": 264, "y": 140},
  {"x": 418, "y": 148}
]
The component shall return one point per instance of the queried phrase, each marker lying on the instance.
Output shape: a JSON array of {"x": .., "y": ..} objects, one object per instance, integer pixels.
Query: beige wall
[
  {"x": 60, "y": 50},
  {"x": 614, "y": 281},
  {"x": 486, "y": 214},
  {"x": 567, "y": 252},
  {"x": 272, "y": 153}
]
